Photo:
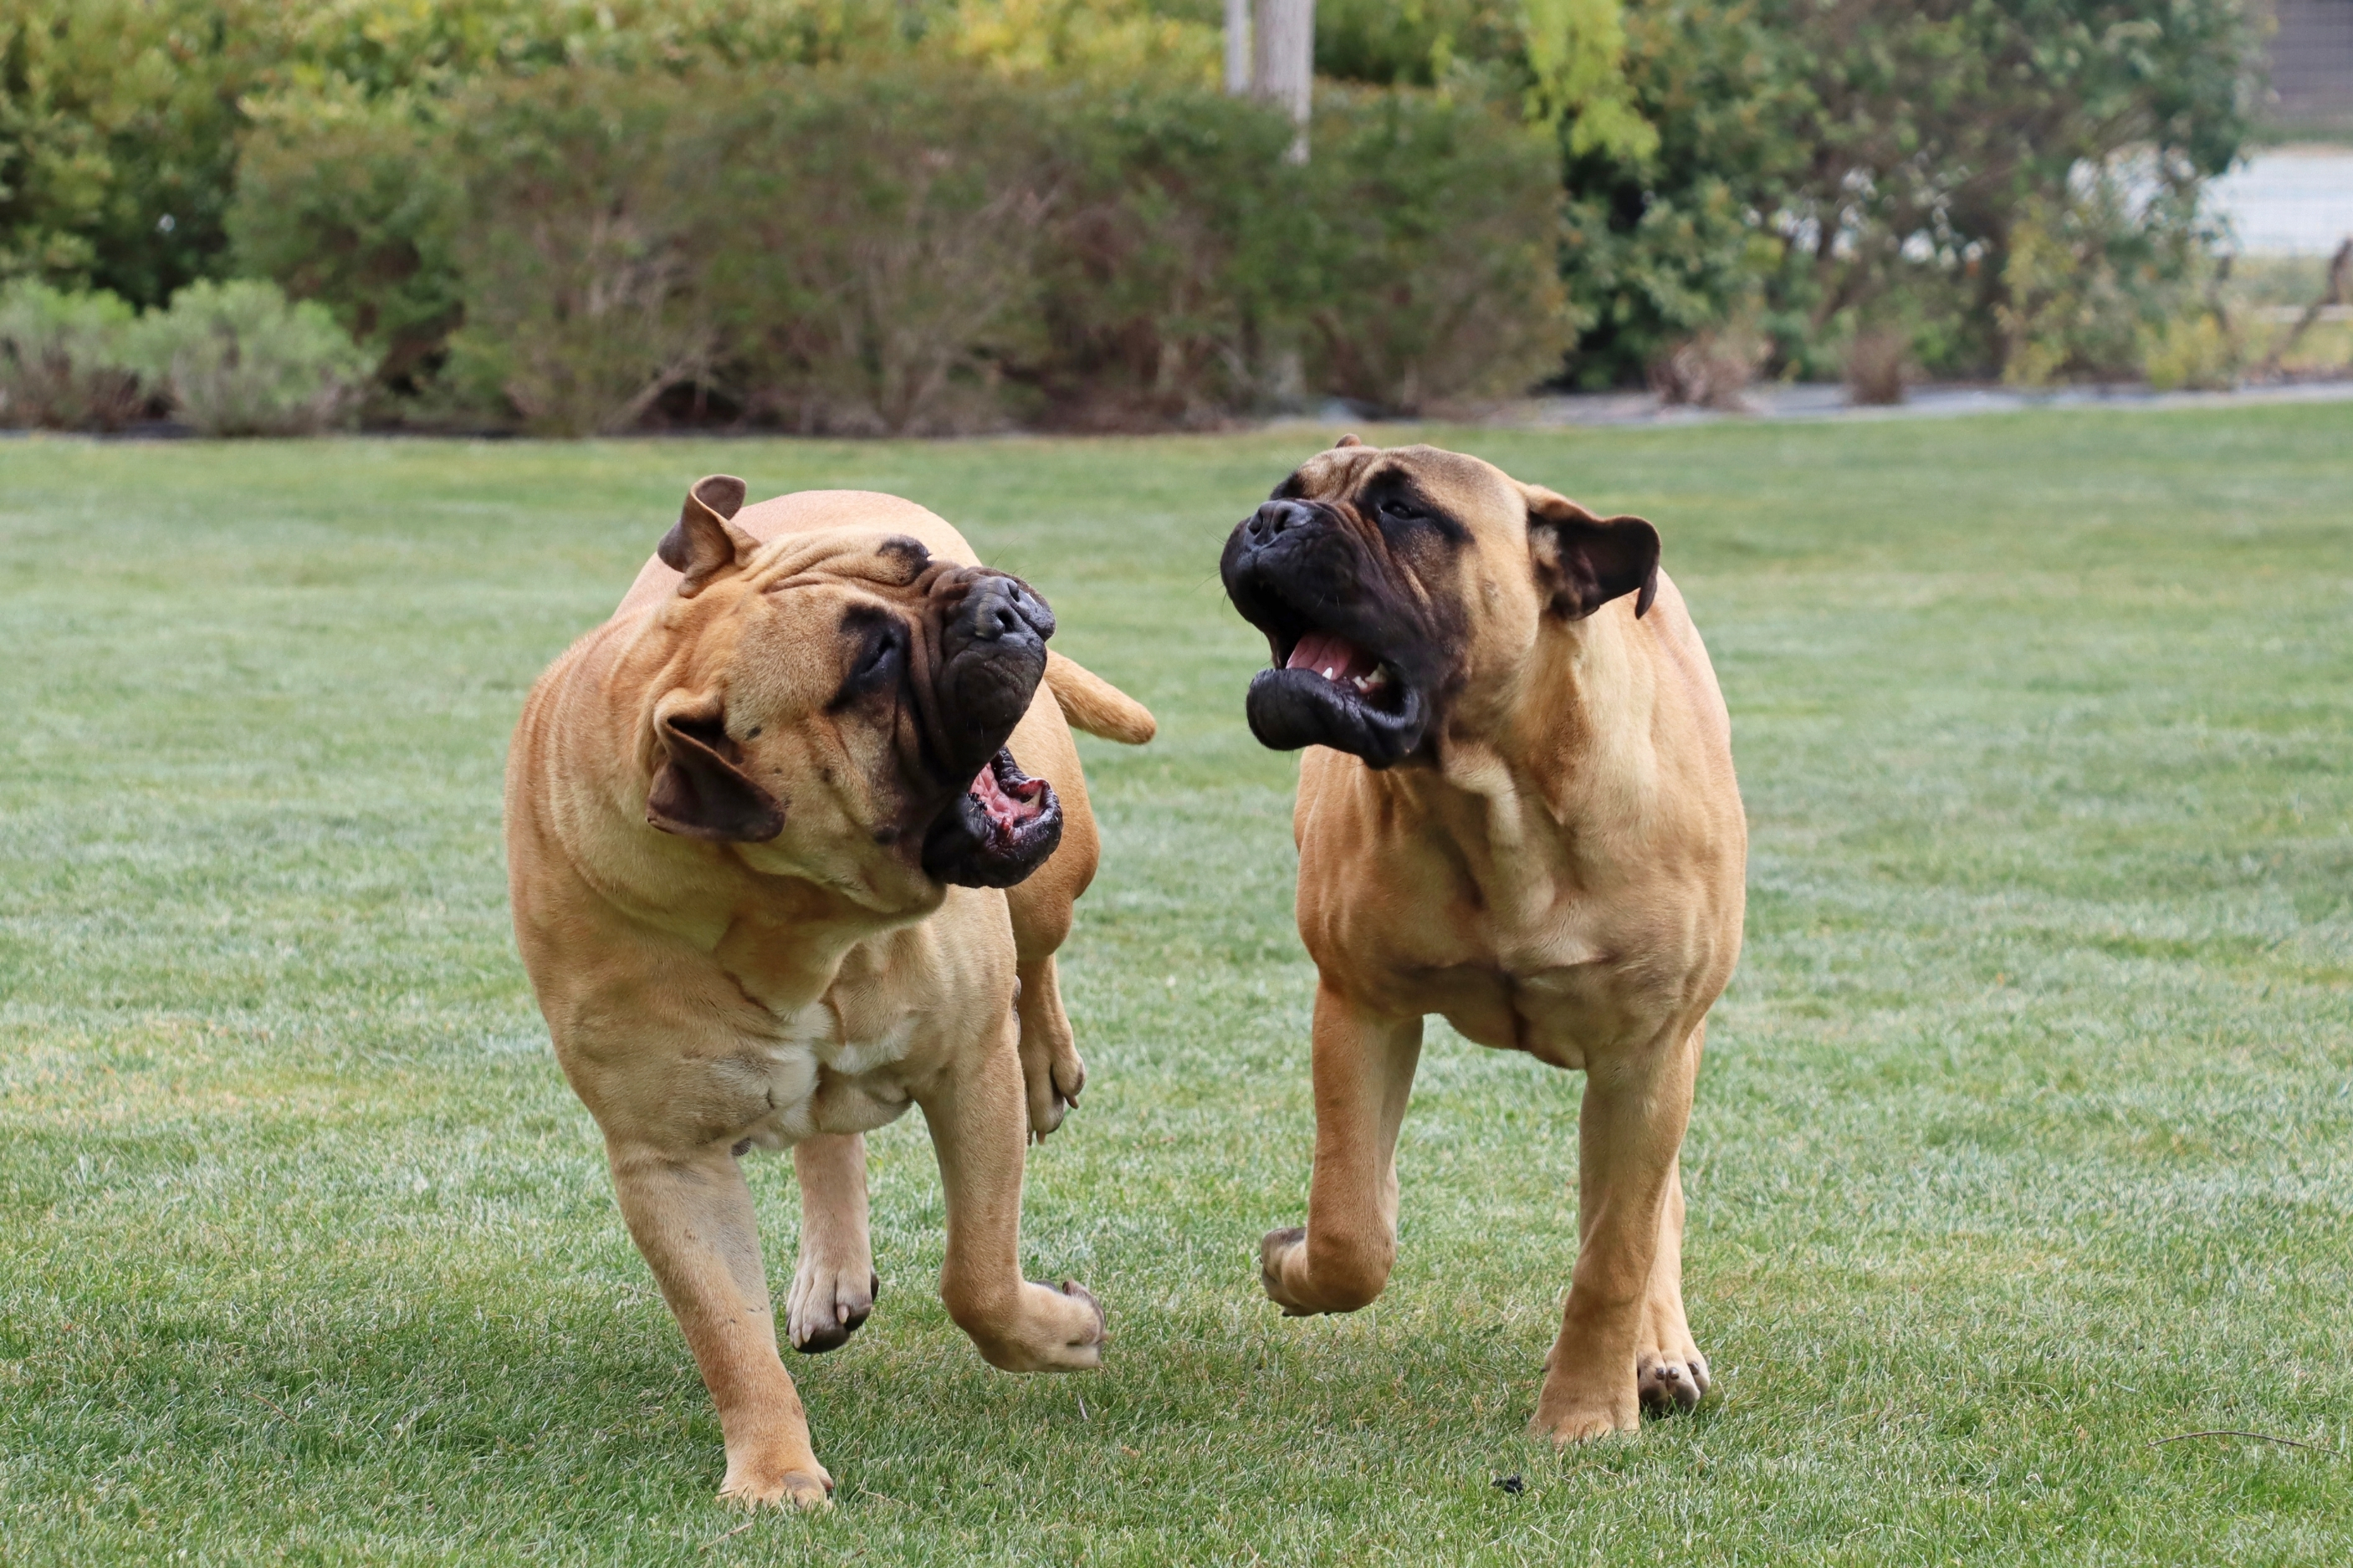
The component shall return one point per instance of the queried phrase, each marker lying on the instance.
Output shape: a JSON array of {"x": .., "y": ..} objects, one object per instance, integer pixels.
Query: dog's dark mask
[
  {"x": 1002, "y": 824},
  {"x": 1359, "y": 658}
]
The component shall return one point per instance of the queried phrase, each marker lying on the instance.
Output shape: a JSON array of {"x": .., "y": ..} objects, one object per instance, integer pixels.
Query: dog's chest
[{"x": 831, "y": 1067}]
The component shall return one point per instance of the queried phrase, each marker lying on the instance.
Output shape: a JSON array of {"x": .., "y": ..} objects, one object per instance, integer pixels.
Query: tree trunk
[
  {"x": 1283, "y": 59},
  {"x": 1238, "y": 49}
]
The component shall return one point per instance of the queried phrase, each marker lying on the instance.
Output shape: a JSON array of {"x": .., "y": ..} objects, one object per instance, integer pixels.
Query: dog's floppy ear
[
  {"x": 702, "y": 790},
  {"x": 1582, "y": 561},
  {"x": 705, "y": 543}
]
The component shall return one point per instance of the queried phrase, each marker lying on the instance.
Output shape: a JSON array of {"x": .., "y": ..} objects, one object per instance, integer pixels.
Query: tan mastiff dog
[
  {"x": 778, "y": 875},
  {"x": 1517, "y": 811}
]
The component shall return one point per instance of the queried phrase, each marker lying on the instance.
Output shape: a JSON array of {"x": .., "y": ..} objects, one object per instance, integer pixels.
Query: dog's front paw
[
  {"x": 753, "y": 1484},
  {"x": 1668, "y": 1383},
  {"x": 1569, "y": 1415},
  {"x": 1085, "y": 1341},
  {"x": 828, "y": 1301},
  {"x": 1047, "y": 1330},
  {"x": 1072, "y": 1321},
  {"x": 1279, "y": 1246}
]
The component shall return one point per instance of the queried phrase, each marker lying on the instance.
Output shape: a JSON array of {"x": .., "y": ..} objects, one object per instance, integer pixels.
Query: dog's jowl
[
  {"x": 1516, "y": 811},
  {"x": 792, "y": 840}
]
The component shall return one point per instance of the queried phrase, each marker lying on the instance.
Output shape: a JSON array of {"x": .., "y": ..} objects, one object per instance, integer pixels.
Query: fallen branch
[
  {"x": 729, "y": 1536},
  {"x": 2340, "y": 276},
  {"x": 2258, "y": 1437}
]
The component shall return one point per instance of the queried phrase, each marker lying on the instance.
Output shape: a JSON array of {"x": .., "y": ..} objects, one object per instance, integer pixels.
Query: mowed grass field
[{"x": 2024, "y": 1143}]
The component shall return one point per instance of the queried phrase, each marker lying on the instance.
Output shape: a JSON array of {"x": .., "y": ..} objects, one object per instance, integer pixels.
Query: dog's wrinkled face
[
  {"x": 839, "y": 705},
  {"x": 1392, "y": 584}
]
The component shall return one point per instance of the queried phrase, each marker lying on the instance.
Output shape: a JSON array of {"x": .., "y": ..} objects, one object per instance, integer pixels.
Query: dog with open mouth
[
  {"x": 792, "y": 840},
  {"x": 1517, "y": 811}
]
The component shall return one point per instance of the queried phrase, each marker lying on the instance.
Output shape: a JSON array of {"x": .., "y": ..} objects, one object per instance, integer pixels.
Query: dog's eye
[
  {"x": 878, "y": 659},
  {"x": 1397, "y": 510}
]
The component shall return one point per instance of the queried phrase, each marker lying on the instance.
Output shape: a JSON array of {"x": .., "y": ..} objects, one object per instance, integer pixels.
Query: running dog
[
  {"x": 1517, "y": 811},
  {"x": 792, "y": 839}
]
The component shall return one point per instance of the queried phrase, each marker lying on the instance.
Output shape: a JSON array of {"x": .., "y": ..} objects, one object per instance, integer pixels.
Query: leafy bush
[
  {"x": 2088, "y": 278},
  {"x": 2194, "y": 352},
  {"x": 1826, "y": 163},
  {"x": 238, "y": 359},
  {"x": 907, "y": 247},
  {"x": 118, "y": 138},
  {"x": 1439, "y": 225},
  {"x": 353, "y": 206},
  {"x": 66, "y": 361},
  {"x": 872, "y": 244},
  {"x": 1178, "y": 266},
  {"x": 587, "y": 223},
  {"x": 120, "y": 119}
]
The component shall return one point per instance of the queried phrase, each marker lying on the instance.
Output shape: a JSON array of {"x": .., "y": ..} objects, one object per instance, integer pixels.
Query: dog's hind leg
[
  {"x": 1364, "y": 1067},
  {"x": 692, "y": 1217},
  {"x": 1040, "y": 907},
  {"x": 1052, "y": 1073},
  {"x": 835, "y": 1286}
]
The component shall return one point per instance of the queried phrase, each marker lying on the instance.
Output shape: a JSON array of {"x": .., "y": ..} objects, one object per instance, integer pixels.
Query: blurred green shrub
[
  {"x": 240, "y": 359},
  {"x": 587, "y": 224},
  {"x": 2090, "y": 281},
  {"x": 1832, "y": 163},
  {"x": 2192, "y": 353},
  {"x": 353, "y": 204},
  {"x": 1181, "y": 265},
  {"x": 118, "y": 138},
  {"x": 66, "y": 361},
  {"x": 1438, "y": 236},
  {"x": 907, "y": 246},
  {"x": 121, "y": 121},
  {"x": 871, "y": 247},
  {"x": 1819, "y": 167}
]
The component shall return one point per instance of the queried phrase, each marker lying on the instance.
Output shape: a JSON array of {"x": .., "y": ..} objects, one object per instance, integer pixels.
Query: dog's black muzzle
[
  {"x": 1295, "y": 570},
  {"x": 1003, "y": 825}
]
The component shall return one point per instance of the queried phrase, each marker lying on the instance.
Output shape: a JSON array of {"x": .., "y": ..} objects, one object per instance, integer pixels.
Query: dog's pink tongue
[
  {"x": 1333, "y": 657},
  {"x": 1005, "y": 810}
]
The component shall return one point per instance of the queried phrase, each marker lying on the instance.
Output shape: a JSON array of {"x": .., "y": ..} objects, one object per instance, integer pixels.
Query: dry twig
[
  {"x": 2340, "y": 279},
  {"x": 2258, "y": 1437},
  {"x": 729, "y": 1536}
]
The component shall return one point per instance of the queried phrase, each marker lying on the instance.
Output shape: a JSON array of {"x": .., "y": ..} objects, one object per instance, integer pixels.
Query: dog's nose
[
  {"x": 1003, "y": 607},
  {"x": 1272, "y": 519}
]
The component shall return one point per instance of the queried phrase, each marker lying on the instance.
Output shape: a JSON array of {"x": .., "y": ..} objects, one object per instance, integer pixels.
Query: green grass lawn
[{"x": 2025, "y": 1139}]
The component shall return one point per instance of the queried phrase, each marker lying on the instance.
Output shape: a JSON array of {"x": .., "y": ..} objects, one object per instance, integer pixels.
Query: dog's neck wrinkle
[
  {"x": 1564, "y": 763},
  {"x": 785, "y": 963},
  {"x": 1566, "y": 733}
]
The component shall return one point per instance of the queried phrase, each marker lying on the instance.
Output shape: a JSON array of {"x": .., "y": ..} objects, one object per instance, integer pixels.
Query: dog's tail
[{"x": 1093, "y": 704}]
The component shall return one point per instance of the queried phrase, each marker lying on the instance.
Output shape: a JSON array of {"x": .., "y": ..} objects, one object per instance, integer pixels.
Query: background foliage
[{"x": 1930, "y": 178}]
